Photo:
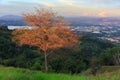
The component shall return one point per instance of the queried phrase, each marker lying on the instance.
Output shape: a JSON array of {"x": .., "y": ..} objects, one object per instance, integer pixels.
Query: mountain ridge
[
  {"x": 77, "y": 21},
  {"x": 11, "y": 17}
]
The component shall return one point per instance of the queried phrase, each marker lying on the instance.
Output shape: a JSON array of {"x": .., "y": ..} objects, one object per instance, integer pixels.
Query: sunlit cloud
[
  {"x": 99, "y": 8},
  {"x": 49, "y": 4},
  {"x": 105, "y": 1},
  {"x": 67, "y": 2},
  {"x": 85, "y": 14},
  {"x": 102, "y": 14},
  {"x": 70, "y": 2}
]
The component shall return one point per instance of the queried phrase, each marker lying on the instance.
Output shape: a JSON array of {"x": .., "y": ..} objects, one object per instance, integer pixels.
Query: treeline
[{"x": 89, "y": 53}]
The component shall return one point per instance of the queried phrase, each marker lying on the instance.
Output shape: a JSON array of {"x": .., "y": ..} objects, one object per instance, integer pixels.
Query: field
[{"x": 10, "y": 73}]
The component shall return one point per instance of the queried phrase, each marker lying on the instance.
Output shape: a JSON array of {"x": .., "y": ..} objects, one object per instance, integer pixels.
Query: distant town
[
  {"x": 110, "y": 33},
  {"x": 107, "y": 28}
]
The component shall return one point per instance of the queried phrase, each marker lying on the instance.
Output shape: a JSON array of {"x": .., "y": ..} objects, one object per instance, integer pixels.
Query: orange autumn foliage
[
  {"x": 47, "y": 32},
  {"x": 44, "y": 38}
]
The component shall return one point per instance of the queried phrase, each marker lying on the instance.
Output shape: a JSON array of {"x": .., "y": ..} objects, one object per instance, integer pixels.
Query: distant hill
[
  {"x": 94, "y": 20},
  {"x": 11, "y": 20},
  {"x": 16, "y": 20}
]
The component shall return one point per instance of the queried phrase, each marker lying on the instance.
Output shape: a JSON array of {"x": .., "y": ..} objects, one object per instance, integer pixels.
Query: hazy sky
[{"x": 100, "y": 8}]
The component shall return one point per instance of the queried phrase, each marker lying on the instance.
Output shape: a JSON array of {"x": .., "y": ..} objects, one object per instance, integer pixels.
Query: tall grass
[{"x": 10, "y": 73}]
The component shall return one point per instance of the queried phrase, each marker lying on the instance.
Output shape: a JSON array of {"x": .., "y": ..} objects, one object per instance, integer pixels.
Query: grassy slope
[
  {"x": 109, "y": 69},
  {"x": 10, "y": 73}
]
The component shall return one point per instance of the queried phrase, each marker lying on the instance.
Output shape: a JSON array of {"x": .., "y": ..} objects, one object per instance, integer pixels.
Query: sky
[{"x": 69, "y": 8}]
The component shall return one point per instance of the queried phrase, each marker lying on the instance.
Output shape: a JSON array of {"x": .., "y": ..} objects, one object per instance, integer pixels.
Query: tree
[
  {"x": 47, "y": 32},
  {"x": 111, "y": 56},
  {"x": 95, "y": 65}
]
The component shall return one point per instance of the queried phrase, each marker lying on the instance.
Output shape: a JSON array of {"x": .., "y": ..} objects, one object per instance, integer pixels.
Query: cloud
[
  {"x": 70, "y": 2},
  {"x": 48, "y": 4},
  {"x": 100, "y": 8},
  {"x": 85, "y": 14},
  {"x": 102, "y": 14},
  {"x": 16, "y": 7},
  {"x": 105, "y": 1}
]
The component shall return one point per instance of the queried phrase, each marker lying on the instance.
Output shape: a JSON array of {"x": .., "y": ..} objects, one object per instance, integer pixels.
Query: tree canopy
[{"x": 48, "y": 31}]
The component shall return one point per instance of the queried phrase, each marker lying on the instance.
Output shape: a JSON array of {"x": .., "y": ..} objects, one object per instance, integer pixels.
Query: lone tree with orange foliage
[{"x": 47, "y": 32}]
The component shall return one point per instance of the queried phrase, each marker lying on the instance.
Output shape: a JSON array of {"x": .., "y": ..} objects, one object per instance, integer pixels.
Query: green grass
[
  {"x": 10, "y": 73},
  {"x": 109, "y": 69}
]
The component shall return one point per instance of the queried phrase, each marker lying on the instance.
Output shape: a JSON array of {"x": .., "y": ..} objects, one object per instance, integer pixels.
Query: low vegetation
[
  {"x": 10, "y": 73},
  {"x": 90, "y": 53}
]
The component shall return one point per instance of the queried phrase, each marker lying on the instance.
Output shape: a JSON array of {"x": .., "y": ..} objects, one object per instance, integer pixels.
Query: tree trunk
[{"x": 46, "y": 63}]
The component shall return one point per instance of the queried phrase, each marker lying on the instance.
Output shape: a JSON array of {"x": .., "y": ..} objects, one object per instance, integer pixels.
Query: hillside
[
  {"x": 67, "y": 60},
  {"x": 10, "y": 73}
]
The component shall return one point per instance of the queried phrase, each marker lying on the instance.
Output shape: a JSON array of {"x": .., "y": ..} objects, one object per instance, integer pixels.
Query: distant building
[
  {"x": 112, "y": 40},
  {"x": 16, "y": 27}
]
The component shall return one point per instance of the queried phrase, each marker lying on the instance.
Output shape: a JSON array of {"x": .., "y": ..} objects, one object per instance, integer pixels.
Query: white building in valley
[{"x": 15, "y": 27}]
